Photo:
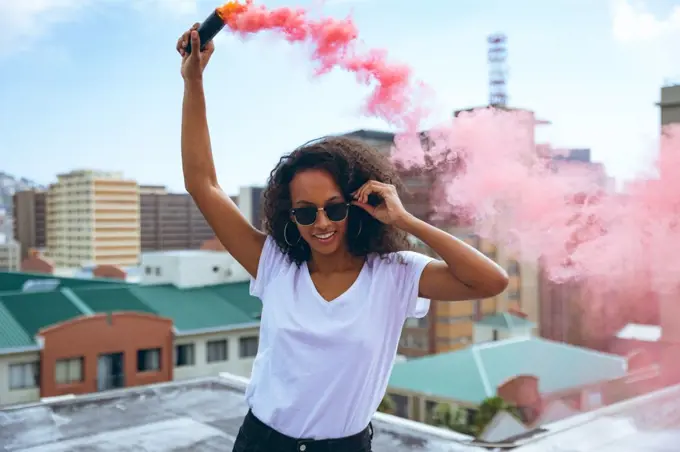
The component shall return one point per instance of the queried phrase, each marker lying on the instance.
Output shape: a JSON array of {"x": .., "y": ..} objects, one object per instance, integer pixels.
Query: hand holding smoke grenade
[{"x": 208, "y": 30}]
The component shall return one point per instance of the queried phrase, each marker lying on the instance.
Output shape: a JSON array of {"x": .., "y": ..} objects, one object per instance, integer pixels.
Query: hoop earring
[
  {"x": 361, "y": 225},
  {"x": 285, "y": 236}
]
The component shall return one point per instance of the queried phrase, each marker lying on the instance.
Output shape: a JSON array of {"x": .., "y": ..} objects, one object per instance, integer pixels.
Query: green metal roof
[
  {"x": 37, "y": 310},
  {"x": 192, "y": 309},
  {"x": 112, "y": 299},
  {"x": 472, "y": 374},
  {"x": 505, "y": 321},
  {"x": 14, "y": 281},
  {"x": 12, "y": 334},
  {"x": 23, "y": 314},
  {"x": 238, "y": 294}
]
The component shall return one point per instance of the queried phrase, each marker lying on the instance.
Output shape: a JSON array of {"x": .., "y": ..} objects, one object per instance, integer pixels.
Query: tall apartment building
[
  {"x": 250, "y": 203},
  {"x": 9, "y": 256},
  {"x": 170, "y": 221},
  {"x": 449, "y": 325},
  {"x": 29, "y": 220},
  {"x": 560, "y": 302},
  {"x": 93, "y": 219}
]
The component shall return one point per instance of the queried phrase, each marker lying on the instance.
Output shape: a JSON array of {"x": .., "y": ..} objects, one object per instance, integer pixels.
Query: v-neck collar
[{"x": 342, "y": 296}]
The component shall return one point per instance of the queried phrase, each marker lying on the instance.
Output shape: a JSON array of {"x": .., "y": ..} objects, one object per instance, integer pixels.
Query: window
[
  {"x": 147, "y": 270},
  {"x": 69, "y": 371},
  {"x": 412, "y": 322},
  {"x": 217, "y": 351},
  {"x": 495, "y": 335},
  {"x": 185, "y": 355},
  {"x": 453, "y": 320},
  {"x": 148, "y": 359},
  {"x": 158, "y": 271},
  {"x": 248, "y": 346},
  {"x": 513, "y": 268},
  {"x": 23, "y": 375},
  {"x": 401, "y": 405}
]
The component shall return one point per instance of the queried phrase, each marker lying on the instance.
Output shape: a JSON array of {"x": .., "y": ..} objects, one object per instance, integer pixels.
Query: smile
[{"x": 325, "y": 237}]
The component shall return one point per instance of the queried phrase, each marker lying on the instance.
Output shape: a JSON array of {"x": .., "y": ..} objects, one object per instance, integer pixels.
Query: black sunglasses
[{"x": 306, "y": 216}]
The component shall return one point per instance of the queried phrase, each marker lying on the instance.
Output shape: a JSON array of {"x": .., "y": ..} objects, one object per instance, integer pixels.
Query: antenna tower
[{"x": 497, "y": 56}]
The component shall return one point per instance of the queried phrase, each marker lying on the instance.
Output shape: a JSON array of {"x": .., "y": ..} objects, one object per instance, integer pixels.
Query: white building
[
  {"x": 19, "y": 370},
  {"x": 10, "y": 256},
  {"x": 190, "y": 268}
]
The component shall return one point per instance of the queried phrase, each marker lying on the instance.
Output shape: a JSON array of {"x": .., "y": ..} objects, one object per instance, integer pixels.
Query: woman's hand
[
  {"x": 389, "y": 211},
  {"x": 195, "y": 62}
]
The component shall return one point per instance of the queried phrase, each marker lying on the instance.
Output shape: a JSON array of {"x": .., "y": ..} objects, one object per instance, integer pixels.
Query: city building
[
  {"x": 64, "y": 336},
  {"x": 449, "y": 325},
  {"x": 511, "y": 368},
  {"x": 93, "y": 219},
  {"x": 10, "y": 260},
  {"x": 250, "y": 202},
  {"x": 560, "y": 308},
  {"x": 29, "y": 220},
  {"x": 669, "y": 104},
  {"x": 170, "y": 221}
]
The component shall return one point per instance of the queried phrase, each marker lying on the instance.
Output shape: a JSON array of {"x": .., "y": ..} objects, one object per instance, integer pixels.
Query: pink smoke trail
[
  {"x": 491, "y": 175},
  {"x": 335, "y": 44}
]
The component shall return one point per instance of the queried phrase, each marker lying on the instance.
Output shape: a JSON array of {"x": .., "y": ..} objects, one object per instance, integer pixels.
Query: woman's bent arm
[
  {"x": 238, "y": 236},
  {"x": 465, "y": 274}
]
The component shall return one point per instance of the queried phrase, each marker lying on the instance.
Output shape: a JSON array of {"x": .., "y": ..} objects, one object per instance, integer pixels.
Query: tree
[
  {"x": 488, "y": 410},
  {"x": 452, "y": 417},
  {"x": 387, "y": 405}
]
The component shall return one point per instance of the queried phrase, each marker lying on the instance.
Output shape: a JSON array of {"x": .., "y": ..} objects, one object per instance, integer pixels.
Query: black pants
[{"x": 255, "y": 436}]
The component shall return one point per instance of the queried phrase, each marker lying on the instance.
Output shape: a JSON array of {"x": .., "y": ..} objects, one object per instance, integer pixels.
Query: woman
[{"x": 335, "y": 282}]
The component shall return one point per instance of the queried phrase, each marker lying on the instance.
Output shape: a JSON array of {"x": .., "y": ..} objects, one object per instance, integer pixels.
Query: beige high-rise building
[
  {"x": 9, "y": 256},
  {"x": 93, "y": 219}
]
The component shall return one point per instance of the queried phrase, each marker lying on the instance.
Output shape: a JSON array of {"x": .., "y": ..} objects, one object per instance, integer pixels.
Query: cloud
[
  {"x": 633, "y": 22},
  {"x": 24, "y": 21}
]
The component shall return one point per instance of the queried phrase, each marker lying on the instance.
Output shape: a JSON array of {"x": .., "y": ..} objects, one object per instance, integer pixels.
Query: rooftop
[
  {"x": 505, "y": 321},
  {"x": 204, "y": 415},
  {"x": 200, "y": 415},
  {"x": 14, "y": 281},
  {"x": 472, "y": 374},
  {"x": 24, "y": 313}
]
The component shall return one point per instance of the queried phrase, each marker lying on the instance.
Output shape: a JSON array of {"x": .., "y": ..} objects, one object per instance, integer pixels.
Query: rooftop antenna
[{"x": 497, "y": 57}]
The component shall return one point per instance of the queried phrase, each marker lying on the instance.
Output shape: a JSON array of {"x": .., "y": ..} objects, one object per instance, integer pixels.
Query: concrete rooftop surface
[
  {"x": 195, "y": 416},
  {"x": 205, "y": 415}
]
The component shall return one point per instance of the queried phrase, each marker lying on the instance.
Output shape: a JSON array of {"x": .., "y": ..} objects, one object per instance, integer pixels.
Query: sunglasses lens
[
  {"x": 305, "y": 215},
  {"x": 336, "y": 212}
]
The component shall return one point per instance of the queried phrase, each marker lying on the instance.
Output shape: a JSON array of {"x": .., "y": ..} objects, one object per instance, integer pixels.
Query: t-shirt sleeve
[
  {"x": 271, "y": 263},
  {"x": 408, "y": 275}
]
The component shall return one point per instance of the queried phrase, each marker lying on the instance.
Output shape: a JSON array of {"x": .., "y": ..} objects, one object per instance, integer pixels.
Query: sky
[{"x": 96, "y": 83}]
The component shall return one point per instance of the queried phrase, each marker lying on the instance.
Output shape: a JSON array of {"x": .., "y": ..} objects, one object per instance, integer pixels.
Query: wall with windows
[
  {"x": 19, "y": 373},
  {"x": 105, "y": 351},
  {"x": 204, "y": 355},
  {"x": 190, "y": 268}
]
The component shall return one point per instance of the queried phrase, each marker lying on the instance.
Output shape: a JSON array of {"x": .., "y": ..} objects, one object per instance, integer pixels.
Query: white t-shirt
[{"x": 322, "y": 367}]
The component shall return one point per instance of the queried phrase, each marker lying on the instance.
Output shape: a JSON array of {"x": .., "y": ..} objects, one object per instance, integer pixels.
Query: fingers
[
  {"x": 383, "y": 190},
  {"x": 195, "y": 45},
  {"x": 183, "y": 40}
]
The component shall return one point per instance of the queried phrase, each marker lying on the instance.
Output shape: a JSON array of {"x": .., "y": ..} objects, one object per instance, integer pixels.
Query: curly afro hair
[{"x": 352, "y": 163}]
